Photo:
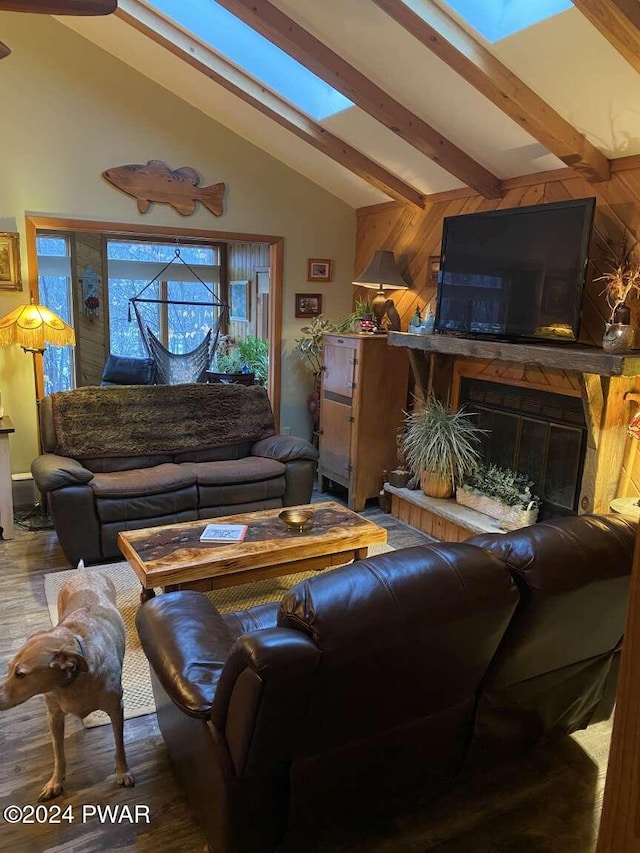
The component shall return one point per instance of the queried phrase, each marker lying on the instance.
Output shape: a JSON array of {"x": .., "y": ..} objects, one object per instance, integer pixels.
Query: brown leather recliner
[
  {"x": 128, "y": 457},
  {"x": 556, "y": 670},
  {"x": 365, "y": 679},
  {"x": 366, "y": 685}
]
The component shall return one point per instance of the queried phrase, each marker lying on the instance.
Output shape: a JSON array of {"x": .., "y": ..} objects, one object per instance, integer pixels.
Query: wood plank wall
[
  {"x": 415, "y": 236},
  {"x": 243, "y": 261},
  {"x": 91, "y": 332}
]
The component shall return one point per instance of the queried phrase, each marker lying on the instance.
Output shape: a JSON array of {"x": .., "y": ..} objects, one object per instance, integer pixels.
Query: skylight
[
  {"x": 497, "y": 19},
  {"x": 231, "y": 37}
]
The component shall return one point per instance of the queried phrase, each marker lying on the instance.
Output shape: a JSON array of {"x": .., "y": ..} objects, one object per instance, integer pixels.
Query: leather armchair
[
  {"x": 556, "y": 670},
  {"x": 361, "y": 684},
  {"x": 386, "y": 675}
]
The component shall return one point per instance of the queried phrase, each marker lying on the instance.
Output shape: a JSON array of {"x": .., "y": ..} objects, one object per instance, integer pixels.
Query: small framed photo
[
  {"x": 10, "y": 278},
  {"x": 319, "y": 269},
  {"x": 308, "y": 304},
  {"x": 433, "y": 269},
  {"x": 239, "y": 301}
]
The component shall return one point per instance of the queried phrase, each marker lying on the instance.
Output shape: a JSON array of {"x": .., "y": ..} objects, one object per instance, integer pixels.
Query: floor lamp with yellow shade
[{"x": 33, "y": 327}]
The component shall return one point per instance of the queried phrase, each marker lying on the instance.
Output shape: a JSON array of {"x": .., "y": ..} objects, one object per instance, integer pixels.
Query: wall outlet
[{"x": 285, "y": 430}]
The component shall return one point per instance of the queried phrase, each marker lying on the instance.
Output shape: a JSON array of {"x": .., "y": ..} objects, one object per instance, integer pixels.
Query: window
[
  {"x": 497, "y": 19},
  {"x": 132, "y": 266},
  {"x": 54, "y": 287},
  {"x": 231, "y": 37}
]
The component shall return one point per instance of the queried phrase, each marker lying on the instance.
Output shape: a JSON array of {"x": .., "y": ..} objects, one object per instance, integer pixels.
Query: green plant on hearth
[
  {"x": 440, "y": 445},
  {"x": 502, "y": 484}
]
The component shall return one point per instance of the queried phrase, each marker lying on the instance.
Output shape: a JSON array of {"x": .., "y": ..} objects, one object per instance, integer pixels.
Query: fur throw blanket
[{"x": 139, "y": 420}]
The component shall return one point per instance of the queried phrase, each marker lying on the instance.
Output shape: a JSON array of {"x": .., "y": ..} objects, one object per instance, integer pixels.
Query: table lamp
[{"x": 382, "y": 274}]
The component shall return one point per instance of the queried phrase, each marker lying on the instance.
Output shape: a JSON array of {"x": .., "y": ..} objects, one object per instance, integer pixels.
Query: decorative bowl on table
[{"x": 297, "y": 520}]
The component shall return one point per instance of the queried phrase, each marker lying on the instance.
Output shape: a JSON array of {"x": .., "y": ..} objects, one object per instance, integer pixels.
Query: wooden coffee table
[{"x": 173, "y": 557}]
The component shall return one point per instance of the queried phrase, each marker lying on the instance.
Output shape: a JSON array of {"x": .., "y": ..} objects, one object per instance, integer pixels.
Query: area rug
[{"x": 136, "y": 680}]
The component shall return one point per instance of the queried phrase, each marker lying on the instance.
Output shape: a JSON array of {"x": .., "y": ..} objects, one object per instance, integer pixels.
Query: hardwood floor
[{"x": 549, "y": 803}]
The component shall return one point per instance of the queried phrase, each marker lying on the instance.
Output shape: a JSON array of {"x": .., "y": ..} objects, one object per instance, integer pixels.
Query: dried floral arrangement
[
  {"x": 502, "y": 484},
  {"x": 622, "y": 280}
]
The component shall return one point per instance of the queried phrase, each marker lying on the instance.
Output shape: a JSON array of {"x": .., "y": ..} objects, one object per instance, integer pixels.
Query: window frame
[{"x": 35, "y": 224}]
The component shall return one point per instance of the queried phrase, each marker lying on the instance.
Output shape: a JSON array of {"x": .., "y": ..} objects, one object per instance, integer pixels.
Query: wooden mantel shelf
[{"x": 566, "y": 356}]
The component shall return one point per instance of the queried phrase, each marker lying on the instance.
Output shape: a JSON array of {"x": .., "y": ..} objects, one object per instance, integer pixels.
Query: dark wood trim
[
  {"x": 276, "y": 261},
  {"x": 304, "y": 47}
]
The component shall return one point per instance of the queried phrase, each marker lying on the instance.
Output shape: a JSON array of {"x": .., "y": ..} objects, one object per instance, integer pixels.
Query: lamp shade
[
  {"x": 382, "y": 273},
  {"x": 32, "y": 326}
]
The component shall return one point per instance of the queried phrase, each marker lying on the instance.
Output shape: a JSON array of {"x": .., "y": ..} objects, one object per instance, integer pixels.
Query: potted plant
[
  {"x": 622, "y": 282},
  {"x": 249, "y": 355},
  {"x": 501, "y": 493},
  {"x": 309, "y": 346},
  {"x": 441, "y": 446}
]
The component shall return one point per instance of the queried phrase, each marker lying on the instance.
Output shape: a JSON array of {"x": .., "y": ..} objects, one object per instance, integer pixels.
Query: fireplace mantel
[
  {"x": 603, "y": 380},
  {"x": 568, "y": 356}
]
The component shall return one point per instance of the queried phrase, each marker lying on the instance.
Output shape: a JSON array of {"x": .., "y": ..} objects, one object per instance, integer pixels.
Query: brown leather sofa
[
  {"x": 122, "y": 458},
  {"x": 385, "y": 675}
]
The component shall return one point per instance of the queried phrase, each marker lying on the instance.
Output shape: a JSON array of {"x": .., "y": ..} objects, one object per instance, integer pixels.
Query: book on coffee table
[{"x": 224, "y": 533}]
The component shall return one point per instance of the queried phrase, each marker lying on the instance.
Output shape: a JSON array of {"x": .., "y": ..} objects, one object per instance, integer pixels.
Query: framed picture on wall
[
  {"x": 319, "y": 269},
  {"x": 10, "y": 278},
  {"x": 239, "y": 306},
  {"x": 308, "y": 304}
]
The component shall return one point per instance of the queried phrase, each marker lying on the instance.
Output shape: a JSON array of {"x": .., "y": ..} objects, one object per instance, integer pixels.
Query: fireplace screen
[{"x": 536, "y": 432}]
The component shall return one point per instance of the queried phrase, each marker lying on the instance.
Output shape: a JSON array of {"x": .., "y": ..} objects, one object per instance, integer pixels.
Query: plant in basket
[{"x": 500, "y": 493}]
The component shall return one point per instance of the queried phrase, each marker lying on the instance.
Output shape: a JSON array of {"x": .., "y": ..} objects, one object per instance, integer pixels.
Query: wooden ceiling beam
[
  {"x": 619, "y": 22},
  {"x": 195, "y": 53},
  {"x": 309, "y": 51},
  {"x": 474, "y": 63}
]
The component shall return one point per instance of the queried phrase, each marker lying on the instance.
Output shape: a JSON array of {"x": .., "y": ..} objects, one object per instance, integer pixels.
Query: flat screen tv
[{"x": 515, "y": 273}]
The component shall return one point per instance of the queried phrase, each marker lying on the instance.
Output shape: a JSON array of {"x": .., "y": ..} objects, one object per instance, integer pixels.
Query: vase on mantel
[{"x": 618, "y": 336}]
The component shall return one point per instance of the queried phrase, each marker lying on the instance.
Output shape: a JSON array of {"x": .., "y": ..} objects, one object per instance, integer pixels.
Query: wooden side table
[{"x": 6, "y": 497}]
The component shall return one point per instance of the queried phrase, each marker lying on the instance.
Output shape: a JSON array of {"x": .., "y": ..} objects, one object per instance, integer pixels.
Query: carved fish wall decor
[{"x": 155, "y": 181}]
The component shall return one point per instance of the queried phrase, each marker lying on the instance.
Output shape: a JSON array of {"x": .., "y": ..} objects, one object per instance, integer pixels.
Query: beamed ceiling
[{"x": 435, "y": 106}]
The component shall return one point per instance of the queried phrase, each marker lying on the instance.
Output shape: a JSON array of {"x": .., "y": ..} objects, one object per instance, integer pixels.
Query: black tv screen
[{"x": 515, "y": 273}]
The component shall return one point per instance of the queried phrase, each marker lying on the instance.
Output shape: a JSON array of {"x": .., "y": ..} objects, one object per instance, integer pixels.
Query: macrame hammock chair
[{"x": 174, "y": 368}]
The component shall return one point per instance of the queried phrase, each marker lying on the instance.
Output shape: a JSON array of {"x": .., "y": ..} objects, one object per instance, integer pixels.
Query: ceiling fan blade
[
  {"x": 4, "y": 50},
  {"x": 60, "y": 7}
]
